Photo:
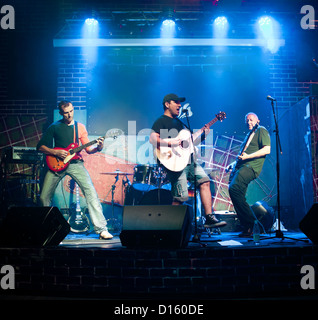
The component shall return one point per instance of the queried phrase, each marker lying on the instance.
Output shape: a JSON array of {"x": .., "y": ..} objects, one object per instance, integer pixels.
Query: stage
[
  {"x": 115, "y": 61},
  {"x": 222, "y": 266}
]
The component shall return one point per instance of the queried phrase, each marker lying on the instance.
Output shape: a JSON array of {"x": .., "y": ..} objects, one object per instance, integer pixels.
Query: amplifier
[{"x": 17, "y": 154}]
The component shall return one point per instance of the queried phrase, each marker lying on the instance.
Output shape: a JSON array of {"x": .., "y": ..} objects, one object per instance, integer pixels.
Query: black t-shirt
[
  {"x": 167, "y": 127},
  {"x": 58, "y": 134}
]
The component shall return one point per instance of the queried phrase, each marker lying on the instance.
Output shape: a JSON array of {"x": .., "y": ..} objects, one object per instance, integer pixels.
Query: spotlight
[
  {"x": 268, "y": 29},
  {"x": 168, "y": 22},
  {"x": 220, "y": 21},
  {"x": 220, "y": 27},
  {"x": 168, "y": 25},
  {"x": 264, "y": 21},
  {"x": 91, "y": 22}
]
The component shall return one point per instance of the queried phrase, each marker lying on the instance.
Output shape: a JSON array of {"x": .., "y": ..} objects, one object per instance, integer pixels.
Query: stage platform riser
[{"x": 194, "y": 273}]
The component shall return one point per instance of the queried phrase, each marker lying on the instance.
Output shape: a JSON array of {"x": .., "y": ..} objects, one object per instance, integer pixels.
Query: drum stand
[{"x": 112, "y": 189}]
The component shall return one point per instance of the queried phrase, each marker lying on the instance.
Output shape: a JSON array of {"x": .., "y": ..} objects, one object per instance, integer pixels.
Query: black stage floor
[{"x": 225, "y": 240}]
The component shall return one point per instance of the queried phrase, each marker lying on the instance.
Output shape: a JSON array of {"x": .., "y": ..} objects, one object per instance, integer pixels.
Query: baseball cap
[{"x": 172, "y": 96}]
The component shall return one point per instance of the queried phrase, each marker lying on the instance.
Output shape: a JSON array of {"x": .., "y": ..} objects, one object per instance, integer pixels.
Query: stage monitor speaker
[
  {"x": 33, "y": 226},
  {"x": 309, "y": 224},
  {"x": 156, "y": 226}
]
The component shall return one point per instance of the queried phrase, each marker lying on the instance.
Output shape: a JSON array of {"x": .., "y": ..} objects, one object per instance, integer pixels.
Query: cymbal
[{"x": 118, "y": 172}]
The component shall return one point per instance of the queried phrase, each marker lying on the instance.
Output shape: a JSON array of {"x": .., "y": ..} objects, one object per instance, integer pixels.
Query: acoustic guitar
[{"x": 177, "y": 158}]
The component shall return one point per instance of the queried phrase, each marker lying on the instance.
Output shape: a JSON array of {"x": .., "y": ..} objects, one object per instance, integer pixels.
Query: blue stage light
[
  {"x": 168, "y": 28},
  {"x": 91, "y": 22},
  {"x": 220, "y": 27},
  {"x": 268, "y": 29},
  {"x": 220, "y": 21},
  {"x": 168, "y": 22},
  {"x": 264, "y": 21}
]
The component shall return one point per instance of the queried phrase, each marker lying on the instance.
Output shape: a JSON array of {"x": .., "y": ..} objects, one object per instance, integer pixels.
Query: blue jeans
[
  {"x": 179, "y": 180},
  {"x": 79, "y": 173}
]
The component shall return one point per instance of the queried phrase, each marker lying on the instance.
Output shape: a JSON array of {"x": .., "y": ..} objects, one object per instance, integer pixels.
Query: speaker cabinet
[
  {"x": 156, "y": 226},
  {"x": 33, "y": 226},
  {"x": 309, "y": 224}
]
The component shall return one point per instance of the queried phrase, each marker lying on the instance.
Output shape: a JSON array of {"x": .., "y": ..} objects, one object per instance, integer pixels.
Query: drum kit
[{"x": 150, "y": 186}]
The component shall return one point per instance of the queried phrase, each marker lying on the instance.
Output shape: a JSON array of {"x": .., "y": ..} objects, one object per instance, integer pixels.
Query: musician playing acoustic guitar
[
  {"x": 165, "y": 134},
  {"x": 248, "y": 166},
  {"x": 54, "y": 141}
]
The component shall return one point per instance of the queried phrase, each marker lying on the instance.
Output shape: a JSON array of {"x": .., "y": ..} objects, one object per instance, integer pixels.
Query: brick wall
[
  {"x": 283, "y": 78},
  {"x": 123, "y": 273},
  {"x": 72, "y": 76}
]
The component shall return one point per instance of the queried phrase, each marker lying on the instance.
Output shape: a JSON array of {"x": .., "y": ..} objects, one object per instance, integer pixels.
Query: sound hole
[{"x": 184, "y": 144}]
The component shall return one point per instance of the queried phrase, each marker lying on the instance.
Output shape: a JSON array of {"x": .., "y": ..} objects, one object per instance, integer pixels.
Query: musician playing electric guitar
[
  {"x": 249, "y": 164},
  {"x": 56, "y": 143},
  {"x": 165, "y": 134}
]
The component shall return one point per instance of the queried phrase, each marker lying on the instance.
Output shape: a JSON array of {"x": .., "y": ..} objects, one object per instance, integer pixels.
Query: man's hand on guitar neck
[
  {"x": 99, "y": 147},
  {"x": 201, "y": 135}
]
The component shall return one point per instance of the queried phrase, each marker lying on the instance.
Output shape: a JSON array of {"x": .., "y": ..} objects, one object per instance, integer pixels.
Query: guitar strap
[
  {"x": 250, "y": 137},
  {"x": 76, "y": 132}
]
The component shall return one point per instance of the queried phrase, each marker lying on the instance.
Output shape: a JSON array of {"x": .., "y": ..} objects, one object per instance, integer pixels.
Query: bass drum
[
  {"x": 157, "y": 197},
  {"x": 144, "y": 178}
]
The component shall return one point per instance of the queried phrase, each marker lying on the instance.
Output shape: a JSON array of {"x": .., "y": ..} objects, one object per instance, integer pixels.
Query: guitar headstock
[{"x": 221, "y": 115}]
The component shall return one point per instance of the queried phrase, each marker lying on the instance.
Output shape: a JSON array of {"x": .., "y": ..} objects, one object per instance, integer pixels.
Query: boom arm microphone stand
[{"x": 278, "y": 234}]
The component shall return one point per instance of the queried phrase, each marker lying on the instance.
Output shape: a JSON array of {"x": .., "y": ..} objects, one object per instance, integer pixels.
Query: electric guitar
[
  {"x": 177, "y": 158},
  {"x": 57, "y": 164},
  {"x": 78, "y": 220},
  {"x": 232, "y": 166}
]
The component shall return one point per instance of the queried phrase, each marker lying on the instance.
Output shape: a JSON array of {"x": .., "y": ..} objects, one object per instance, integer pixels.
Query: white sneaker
[{"x": 105, "y": 235}]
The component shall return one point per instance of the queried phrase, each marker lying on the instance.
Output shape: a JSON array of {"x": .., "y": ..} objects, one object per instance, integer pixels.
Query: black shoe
[{"x": 212, "y": 222}]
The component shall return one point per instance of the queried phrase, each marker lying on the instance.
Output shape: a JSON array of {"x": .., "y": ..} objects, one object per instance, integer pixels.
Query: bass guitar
[
  {"x": 57, "y": 164},
  {"x": 78, "y": 220},
  {"x": 177, "y": 158}
]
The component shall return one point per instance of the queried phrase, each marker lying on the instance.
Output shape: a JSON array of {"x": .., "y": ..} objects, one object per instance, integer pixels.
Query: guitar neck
[
  {"x": 78, "y": 149},
  {"x": 78, "y": 207},
  {"x": 209, "y": 124}
]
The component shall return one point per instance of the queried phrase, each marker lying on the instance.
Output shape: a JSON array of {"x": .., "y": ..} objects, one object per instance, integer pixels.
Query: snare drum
[{"x": 144, "y": 177}]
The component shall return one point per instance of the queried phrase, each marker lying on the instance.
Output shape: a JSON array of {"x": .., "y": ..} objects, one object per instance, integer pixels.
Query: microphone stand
[
  {"x": 196, "y": 236},
  {"x": 279, "y": 233}
]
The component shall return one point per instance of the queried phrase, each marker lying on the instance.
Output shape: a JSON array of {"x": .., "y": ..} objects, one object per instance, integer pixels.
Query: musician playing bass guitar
[
  {"x": 56, "y": 143},
  {"x": 172, "y": 150},
  {"x": 246, "y": 168}
]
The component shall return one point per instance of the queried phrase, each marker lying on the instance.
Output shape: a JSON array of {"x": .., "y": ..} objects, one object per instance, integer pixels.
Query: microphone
[
  {"x": 270, "y": 98},
  {"x": 185, "y": 111}
]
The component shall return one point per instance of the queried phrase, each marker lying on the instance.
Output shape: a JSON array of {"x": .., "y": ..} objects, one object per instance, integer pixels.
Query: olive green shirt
[{"x": 260, "y": 140}]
